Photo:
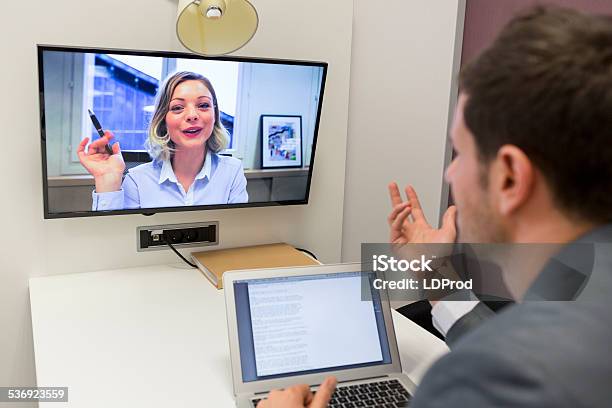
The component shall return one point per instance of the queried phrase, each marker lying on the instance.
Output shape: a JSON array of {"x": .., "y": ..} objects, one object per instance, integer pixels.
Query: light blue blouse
[{"x": 220, "y": 181}]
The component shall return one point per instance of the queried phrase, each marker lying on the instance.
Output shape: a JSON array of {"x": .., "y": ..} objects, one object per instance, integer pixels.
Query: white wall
[
  {"x": 31, "y": 246},
  {"x": 400, "y": 86}
]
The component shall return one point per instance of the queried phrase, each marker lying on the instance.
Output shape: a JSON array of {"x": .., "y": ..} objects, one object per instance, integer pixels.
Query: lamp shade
[{"x": 215, "y": 27}]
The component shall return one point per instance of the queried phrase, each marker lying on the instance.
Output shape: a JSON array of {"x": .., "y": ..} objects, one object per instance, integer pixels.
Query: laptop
[{"x": 299, "y": 325}]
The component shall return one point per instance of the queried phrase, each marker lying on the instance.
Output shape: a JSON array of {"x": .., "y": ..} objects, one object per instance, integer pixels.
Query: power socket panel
[{"x": 154, "y": 237}]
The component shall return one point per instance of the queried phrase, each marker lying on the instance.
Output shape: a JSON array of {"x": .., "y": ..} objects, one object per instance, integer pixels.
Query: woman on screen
[{"x": 185, "y": 136}]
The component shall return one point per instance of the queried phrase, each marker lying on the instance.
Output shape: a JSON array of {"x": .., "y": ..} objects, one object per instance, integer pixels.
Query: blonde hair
[{"x": 158, "y": 144}]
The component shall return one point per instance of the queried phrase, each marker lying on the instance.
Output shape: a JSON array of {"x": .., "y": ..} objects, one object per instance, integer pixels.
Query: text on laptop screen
[{"x": 308, "y": 324}]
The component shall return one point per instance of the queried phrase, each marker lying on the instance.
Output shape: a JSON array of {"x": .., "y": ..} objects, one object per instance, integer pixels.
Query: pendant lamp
[{"x": 215, "y": 27}]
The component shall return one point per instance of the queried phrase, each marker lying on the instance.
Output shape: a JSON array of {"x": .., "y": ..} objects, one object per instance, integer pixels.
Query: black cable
[
  {"x": 308, "y": 252},
  {"x": 177, "y": 252}
]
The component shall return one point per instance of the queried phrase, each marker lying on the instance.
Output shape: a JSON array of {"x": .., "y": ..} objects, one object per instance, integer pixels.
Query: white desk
[{"x": 152, "y": 337}]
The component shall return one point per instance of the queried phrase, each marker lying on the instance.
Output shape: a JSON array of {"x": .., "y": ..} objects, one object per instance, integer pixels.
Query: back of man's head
[{"x": 545, "y": 86}]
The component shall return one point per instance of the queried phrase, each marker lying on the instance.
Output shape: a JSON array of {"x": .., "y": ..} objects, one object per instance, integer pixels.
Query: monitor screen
[
  {"x": 299, "y": 325},
  {"x": 145, "y": 132}
]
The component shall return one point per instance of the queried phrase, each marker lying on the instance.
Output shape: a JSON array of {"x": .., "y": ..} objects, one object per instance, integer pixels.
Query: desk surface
[{"x": 152, "y": 336}]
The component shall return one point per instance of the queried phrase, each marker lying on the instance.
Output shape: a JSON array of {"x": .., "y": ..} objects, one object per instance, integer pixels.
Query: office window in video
[{"x": 123, "y": 95}]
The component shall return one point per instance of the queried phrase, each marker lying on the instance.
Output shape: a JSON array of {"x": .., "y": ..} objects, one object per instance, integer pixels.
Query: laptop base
[{"x": 388, "y": 391}]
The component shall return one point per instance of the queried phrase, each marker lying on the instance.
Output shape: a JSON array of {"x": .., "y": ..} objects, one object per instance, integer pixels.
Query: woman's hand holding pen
[{"x": 106, "y": 169}]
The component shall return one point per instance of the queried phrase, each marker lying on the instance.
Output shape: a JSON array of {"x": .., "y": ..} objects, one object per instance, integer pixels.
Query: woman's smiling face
[{"x": 191, "y": 115}]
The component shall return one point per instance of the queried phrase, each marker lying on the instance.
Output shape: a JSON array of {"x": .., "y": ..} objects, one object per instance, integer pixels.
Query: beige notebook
[{"x": 214, "y": 263}]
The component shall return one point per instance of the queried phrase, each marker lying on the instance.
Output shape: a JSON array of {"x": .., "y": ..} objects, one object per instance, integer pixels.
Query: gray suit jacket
[{"x": 538, "y": 353}]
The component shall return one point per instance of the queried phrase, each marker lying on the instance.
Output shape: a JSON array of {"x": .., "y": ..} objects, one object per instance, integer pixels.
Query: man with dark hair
[{"x": 532, "y": 134}]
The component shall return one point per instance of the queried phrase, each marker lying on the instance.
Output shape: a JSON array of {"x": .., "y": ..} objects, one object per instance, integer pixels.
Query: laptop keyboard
[{"x": 389, "y": 393}]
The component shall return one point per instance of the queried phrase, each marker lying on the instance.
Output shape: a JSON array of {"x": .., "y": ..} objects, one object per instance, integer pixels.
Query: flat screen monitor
[{"x": 127, "y": 132}]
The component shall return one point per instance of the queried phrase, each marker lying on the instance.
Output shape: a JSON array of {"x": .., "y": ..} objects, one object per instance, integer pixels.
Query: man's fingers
[
  {"x": 401, "y": 217},
  {"x": 300, "y": 393},
  {"x": 396, "y": 210},
  {"x": 295, "y": 396},
  {"x": 449, "y": 218},
  {"x": 116, "y": 148},
  {"x": 412, "y": 197},
  {"x": 300, "y": 390},
  {"x": 324, "y": 393},
  {"x": 417, "y": 211},
  {"x": 394, "y": 194}
]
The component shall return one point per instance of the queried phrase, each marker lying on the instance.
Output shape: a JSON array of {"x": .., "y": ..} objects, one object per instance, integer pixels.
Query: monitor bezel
[{"x": 41, "y": 48}]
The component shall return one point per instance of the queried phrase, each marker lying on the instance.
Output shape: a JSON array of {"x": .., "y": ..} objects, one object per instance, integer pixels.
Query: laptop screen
[{"x": 308, "y": 324}]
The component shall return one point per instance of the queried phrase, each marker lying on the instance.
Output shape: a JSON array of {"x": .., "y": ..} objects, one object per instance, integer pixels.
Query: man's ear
[{"x": 514, "y": 179}]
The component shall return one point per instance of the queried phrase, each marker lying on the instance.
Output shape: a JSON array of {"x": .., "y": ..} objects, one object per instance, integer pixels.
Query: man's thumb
[{"x": 449, "y": 218}]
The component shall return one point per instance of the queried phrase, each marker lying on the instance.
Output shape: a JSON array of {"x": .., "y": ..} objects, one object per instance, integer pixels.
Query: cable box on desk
[{"x": 214, "y": 263}]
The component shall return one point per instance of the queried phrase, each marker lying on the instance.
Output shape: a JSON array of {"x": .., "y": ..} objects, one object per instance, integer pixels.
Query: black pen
[{"x": 98, "y": 127}]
